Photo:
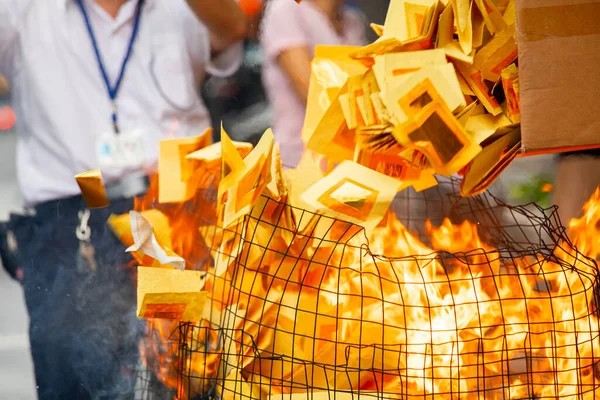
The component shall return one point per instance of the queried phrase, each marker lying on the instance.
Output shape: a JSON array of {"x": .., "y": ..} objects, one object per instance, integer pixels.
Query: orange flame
[{"x": 477, "y": 324}]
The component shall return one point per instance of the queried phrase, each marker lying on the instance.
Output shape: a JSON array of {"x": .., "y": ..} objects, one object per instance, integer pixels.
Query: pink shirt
[{"x": 289, "y": 25}]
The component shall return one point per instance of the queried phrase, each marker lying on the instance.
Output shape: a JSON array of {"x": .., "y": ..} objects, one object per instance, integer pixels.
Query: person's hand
[
  {"x": 8, "y": 253},
  {"x": 224, "y": 19}
]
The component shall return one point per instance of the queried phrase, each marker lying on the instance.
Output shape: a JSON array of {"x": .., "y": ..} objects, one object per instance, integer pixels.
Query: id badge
[{"x": 125, "y": 149}]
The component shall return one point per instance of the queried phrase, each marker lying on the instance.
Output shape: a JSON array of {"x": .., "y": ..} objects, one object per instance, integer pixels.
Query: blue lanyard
[{"x": 113, "y": 91}]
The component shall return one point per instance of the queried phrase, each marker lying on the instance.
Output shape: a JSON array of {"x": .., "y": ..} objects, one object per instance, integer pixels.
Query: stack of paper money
[{"x": 414, "y": 103}]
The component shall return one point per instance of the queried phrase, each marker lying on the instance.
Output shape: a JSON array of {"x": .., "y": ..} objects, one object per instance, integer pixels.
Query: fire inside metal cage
[{"x": 493, "y": 302}]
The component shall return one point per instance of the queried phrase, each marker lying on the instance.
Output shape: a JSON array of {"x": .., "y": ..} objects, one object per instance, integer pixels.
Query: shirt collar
[{"x": 64, "y": 4}]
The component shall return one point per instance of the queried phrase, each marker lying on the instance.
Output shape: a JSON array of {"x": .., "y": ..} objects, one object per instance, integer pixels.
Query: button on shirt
[{"x": 60, "y": 97}]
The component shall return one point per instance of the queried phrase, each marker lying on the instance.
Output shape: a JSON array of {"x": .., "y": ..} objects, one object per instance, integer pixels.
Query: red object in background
[
  {"x": 251, "y": 7},
  {"x": 7, "y": 118}
]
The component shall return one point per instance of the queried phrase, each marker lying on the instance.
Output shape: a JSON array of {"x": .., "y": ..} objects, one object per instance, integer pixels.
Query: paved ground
[{"x": 16, "y": 368}]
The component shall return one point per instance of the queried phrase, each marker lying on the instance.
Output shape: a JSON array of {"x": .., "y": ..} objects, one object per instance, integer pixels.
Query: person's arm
[
  {"x": 285, "y": 42},
  {"x": 295, "y": 63},
  {"x": 224, "y": 20}
]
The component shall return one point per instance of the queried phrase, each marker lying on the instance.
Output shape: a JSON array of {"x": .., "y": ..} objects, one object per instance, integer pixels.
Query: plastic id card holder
[{"x": 125, "y": 149}]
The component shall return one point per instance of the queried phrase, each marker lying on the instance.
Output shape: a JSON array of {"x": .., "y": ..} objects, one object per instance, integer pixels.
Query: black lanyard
[{"x": 113, "y": 91}]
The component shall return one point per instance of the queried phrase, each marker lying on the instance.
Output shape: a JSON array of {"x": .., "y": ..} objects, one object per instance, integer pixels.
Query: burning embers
[{"x": 315, "y": 312}]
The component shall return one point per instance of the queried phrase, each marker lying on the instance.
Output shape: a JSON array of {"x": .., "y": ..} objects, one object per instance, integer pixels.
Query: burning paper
[
  {"x": 174, "y": 169},
  {"x": 171, "y": 294},
  {"x": 145, "y": 241}
]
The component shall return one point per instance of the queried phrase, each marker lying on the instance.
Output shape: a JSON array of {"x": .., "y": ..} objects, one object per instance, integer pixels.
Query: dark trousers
[{"x": 83, "y": 328}]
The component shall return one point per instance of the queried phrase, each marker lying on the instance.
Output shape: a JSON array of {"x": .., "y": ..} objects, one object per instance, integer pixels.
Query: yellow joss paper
[
  {"x": 393, "y": 68},
  {"x": 404, "y": 101},
  {"x": 427, "y": 180},
  {"x": 445, "y": 37},
  {"x": 475, "y": 81},
  {"x": 232, "y": 164},
  {"x": 332, "y": 137},
  {"x": 92, "y": 189},
  {"x": 211, "y": 156},
  {"x": 377, "y": 28},
  {"x": 435, "y": 131},
  {"x": 329, "y": 395},
  {"x": 409, "y": 26},
  {"x": 174, "y": 169},
  {"x": 170, "y": 294},
  {"x": 353, "y": 193},
  {"x": 484, "y": 125},
  {"x": 488, "y": 165},
  {"x": 251, "y": 181},
  {"x": 277, "y": 187},
  {"x": 406, "y": 19},
  {"x": 491, "y": 16},
  {"x": 306, "y": 174},
  {"x": 330, "y": 70},
  {"x": 497, "y": 54},
  {"x": 464, "y": 23},
  {"x": 234, "y": 387},
  {"x": 388, "y": 162},
  {"x": 510, "y": 84}
]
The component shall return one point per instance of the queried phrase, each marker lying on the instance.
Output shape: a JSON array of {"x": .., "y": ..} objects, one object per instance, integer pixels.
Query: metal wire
[{"x": 323, "y": 311}]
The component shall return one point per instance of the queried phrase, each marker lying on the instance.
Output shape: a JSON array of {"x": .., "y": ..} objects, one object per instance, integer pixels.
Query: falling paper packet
[
  {"x": 435, "y": 131},
  {"x": 174, "y": 169},
  {"x": 493, "y": 159},
  {"x": 171, "y": 294},
  {"x": 353, "y": 193},
  {"x": 409, "y": 97},
  {"x": 145, "y": 241},
  {"x": 92, "y": 189}
]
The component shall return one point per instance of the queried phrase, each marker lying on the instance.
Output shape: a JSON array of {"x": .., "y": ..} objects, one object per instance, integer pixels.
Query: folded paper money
[{"x": 92, "y": 189}]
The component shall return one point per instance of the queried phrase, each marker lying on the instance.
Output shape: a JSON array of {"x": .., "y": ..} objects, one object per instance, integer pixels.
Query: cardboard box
[{"x": 559, "y": 74}]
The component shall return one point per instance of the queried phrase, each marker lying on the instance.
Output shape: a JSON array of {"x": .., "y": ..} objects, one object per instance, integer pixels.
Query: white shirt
[{"x": 59, "y": 94}]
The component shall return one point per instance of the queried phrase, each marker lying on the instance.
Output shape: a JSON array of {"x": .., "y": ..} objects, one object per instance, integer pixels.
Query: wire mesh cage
[{"x": 491, "y": 302}]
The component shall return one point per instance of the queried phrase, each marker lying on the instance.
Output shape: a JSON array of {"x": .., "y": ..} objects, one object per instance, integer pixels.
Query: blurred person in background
[
  {"x": 289, "y": 34},
  {"x": 98, "y": 82},
  {"x": 239, "y": 101}
]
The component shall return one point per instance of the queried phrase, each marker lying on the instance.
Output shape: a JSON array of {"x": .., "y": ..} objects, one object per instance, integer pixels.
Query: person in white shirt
[{"x": 90, "y": 78}]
